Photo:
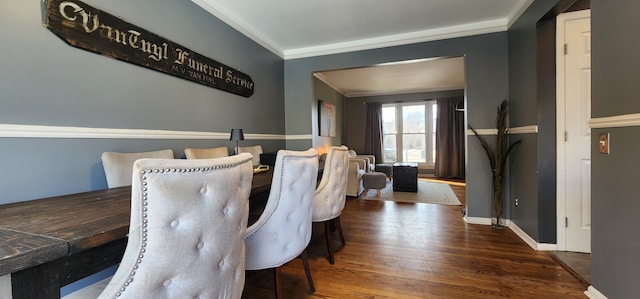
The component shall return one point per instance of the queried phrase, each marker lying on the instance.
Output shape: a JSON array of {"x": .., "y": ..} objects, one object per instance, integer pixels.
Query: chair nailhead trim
[{"x": 145, "y": 198}]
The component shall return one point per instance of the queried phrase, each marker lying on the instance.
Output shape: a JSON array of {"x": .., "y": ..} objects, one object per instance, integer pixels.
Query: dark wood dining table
[{"x": 51, "y": 242}]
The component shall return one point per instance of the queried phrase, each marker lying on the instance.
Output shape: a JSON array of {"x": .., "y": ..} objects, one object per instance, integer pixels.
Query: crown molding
[
  {"x": 323, "y": 78},
  {"x": 516, "y": 13},
  {"x": 469, "y": 29},
  {"x": 242, "y": 27},
  {"x": 399, "y": 39}
]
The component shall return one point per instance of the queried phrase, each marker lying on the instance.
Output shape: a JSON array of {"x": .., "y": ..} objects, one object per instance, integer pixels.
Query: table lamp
[{"x": 236, "y": 135}]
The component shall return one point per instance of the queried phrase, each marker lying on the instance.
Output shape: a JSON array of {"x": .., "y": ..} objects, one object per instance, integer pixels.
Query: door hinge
[
  {"x": 566, "y": 49},
  {"x": 566, "y": 136},
  {"x": 566, "y": 221}
]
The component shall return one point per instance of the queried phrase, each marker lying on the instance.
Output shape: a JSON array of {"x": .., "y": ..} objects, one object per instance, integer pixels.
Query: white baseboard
[
  {"x": 484, "y": 220},
  {"x": 477, "y": 220},
  {"x": 530, "y": 241},
  {"x": 517, "y": 230},
  {"x": 592, "y": 293}
]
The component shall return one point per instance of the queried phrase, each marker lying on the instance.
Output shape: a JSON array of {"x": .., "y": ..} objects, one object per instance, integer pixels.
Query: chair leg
[
  {"x": 327, "y": 236},
  {"x": 277, "y": 282},
  {"x": 339, "y": 226},
  {"x": 305, "y": 263},
  {"x": 378, "y": 193}
]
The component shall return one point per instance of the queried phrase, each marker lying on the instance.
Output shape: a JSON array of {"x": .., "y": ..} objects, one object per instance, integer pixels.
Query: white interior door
[{"x": 574, "y": 134}]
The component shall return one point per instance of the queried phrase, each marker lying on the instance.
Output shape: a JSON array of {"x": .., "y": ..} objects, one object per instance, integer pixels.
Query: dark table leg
[{"x": 39, "y": 282}]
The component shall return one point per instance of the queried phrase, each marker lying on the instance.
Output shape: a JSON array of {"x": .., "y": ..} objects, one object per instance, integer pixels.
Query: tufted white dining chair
[
  {"x": 118, "y": 166},
  {"x": 206, "y": 153},
  {"x": 186, "y": 236},
  {"x": 283, "y": 231},
  {"x": 331, "y": 193},
  {"x": 255, "y": 150}
]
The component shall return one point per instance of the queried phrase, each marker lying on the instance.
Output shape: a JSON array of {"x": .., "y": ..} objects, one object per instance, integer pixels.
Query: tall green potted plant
[{"x": 498, "y": 158}]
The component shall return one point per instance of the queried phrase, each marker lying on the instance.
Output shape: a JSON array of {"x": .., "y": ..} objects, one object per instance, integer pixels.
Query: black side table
[{"x": 405, "y": 176}]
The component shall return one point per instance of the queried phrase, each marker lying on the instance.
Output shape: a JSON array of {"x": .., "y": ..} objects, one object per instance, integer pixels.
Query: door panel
[{"x": 577, "y": 151}]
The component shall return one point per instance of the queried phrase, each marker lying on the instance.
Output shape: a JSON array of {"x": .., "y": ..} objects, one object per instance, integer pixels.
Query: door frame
[{"x": 561, "y": 238}]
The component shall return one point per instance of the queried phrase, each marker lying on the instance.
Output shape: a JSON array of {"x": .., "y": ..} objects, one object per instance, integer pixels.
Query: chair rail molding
[
  {"x": 42, "y": 131},
  {"x": 624, "y": 120},
  {"x": 532, "y": 129}
]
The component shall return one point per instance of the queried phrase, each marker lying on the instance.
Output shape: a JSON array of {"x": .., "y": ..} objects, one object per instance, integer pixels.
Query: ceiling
[
  {"x": 297, "y": 29},
  {"x": 397, "y": 78}
]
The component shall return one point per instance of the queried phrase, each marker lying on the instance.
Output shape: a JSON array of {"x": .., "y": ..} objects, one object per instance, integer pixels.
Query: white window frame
[{"x": 429, "y": 131}]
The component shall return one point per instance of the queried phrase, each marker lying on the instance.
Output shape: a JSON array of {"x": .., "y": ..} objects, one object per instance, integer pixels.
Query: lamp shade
[{"x": 236, "y": 135}]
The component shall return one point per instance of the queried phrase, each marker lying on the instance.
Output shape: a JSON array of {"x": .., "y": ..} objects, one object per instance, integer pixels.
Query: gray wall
[
  {"x": 615, "y": 88},
  {"x": 532, "y": 168},
  {"x": 615, "y": 248},
  {"x": 324, "y": 92},
  {"x": 486, "y": 79},
  {"x": 44, "y": 81}
]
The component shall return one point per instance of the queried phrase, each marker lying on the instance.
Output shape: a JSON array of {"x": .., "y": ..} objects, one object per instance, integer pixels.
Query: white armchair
[
  {"x": 283, "y": 231},
  {"x": 355, "y": 175},
  {"x": 206, "y": 153},
  {"x": 186, "y": 237},
  {"x": 118, "y": 166},
  {"x": 370, "y": 164},
  {"x": 330, "y": 195}
]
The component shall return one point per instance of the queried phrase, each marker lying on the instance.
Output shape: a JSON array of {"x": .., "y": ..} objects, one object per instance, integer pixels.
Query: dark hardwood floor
[
  {"x": 577, "y": 263},
  {"x": 400, "y": 250}
]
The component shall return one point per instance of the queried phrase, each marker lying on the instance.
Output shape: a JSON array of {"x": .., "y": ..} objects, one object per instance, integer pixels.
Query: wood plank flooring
[
  {"x": 577, "y": 263},
  {"x": 400, "y": 250}
]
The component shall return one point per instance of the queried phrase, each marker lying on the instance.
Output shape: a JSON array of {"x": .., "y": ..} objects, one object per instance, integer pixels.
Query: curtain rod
[
  {"x": 416, "y": 100},
  {"x": 401, "y": 101}
]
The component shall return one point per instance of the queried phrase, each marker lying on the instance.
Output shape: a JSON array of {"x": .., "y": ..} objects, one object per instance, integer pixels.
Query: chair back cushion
[
  {"x": 330, "y": 195},
  {"x": 186, "y": 236},
  {"x": 255, "y": 150},
  {"x": 206, "y": 153},
  {"x": 118, "y": 166},
  {"x": 283, "y": 230}
]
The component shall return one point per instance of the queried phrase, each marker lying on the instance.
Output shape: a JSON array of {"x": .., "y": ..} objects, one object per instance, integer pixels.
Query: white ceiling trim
[
  {"x": 404, "y": 91},
  {"x": 242, "y": 27},
  {"x": 400, "y": 39},
  {"x": 323, "y": 78},
  {"x": 469, "y": 29},
  {"x": 518, "y": 12}
]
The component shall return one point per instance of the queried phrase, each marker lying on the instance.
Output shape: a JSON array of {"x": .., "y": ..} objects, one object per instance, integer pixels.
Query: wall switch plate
[{"x": 603, "y": 143}]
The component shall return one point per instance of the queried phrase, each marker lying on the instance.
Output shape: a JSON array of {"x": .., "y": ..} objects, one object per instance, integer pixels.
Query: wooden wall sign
[{"x": 85, "y": 27}]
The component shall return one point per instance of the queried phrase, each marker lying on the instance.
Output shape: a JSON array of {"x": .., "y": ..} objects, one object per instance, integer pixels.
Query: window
[{"x": 409, "y": 132}]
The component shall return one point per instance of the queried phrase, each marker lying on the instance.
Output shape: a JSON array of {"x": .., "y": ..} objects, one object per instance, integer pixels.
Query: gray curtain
[
  {"x": 373, "y": 131},
  {"x": 450, "y": 132}
]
